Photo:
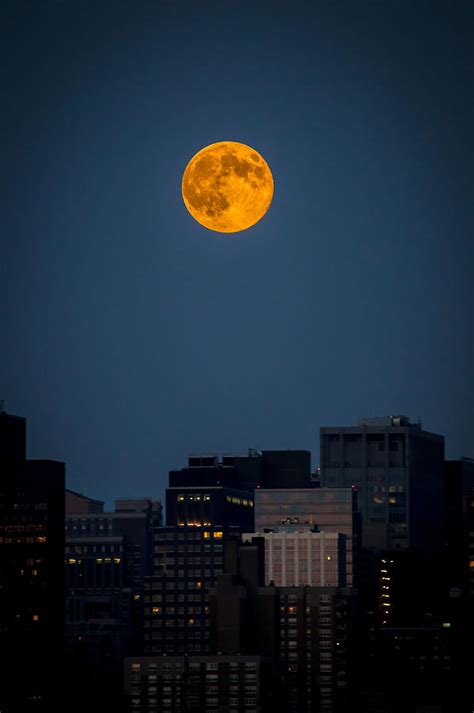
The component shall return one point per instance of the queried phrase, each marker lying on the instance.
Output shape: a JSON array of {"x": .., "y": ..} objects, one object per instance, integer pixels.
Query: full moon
[{"x": 227, "y": 187}]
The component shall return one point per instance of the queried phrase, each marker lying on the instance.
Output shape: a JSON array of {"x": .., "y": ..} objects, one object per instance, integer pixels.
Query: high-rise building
[
  {"x": 265, "y": 469},
  {"x": 31, "y": 573},
  {"x": 187, "y": 561},
  {"x": 329, "y": 510},
  {"x": 397, "y": 469},
  {"x": 107, "y": 556},
  {"x": 304, "y": 557},
  {"x": 196, "y": 684},
  {"x": 307, "y": 633},
  {"x": 209, "y": 505}
]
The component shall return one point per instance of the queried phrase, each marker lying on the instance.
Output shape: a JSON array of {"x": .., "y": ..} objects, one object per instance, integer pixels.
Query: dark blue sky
[{"x": 132, "y": 335}]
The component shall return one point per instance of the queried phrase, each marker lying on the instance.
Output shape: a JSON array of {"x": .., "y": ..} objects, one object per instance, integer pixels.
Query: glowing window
[{"x": 218, "y": 535}]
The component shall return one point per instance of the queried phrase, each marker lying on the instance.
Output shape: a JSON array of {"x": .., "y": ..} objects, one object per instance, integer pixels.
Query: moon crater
[{"x": 227, "y": 187}]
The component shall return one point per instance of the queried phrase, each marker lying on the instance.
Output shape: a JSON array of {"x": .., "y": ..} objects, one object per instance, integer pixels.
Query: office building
[
  {"x": 397, "y": 469},
  {"x": 186, "y": 562},
  {"x": 329, "y": 510},
  {"x": 258, "y": 469},
  {"x": 302, "y": 557},
  {"x": 31, "y": 573}
]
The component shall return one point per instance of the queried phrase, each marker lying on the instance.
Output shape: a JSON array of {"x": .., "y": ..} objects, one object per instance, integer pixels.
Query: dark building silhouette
[
  {"x": 459, "y": 498},
  {"x": 258, "y": 469},
  {"x": 107, "y": 557},
  {"x": 397, "y": 469},
  {"x": 209, "y": 505},
  {"x": 31, "y": 574}
]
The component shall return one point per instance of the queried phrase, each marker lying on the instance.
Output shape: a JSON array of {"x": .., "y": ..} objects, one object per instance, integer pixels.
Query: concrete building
[
  {"x": 329, "y": 510},
  {"x": 302, "y": 558},
  {"x": 195, "y": 684},
  {"x": 397, "y": 469},
  {"x": 186, "y": 562}
]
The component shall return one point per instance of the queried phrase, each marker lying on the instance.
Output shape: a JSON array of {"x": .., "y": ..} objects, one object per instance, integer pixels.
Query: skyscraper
[
  {"x": 397, "y": 469},
  {"x": 31, "y": 573}
]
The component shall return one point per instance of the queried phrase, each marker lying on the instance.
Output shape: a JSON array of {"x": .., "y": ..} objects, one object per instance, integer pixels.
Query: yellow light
[
  {"x": 198, "y": 584},
  {"x": 117, "y": 560},
  {"x": 156, "y": 610},
  {"x": 329, "y": 558},
  {"x": 35, "y": 617},
  {"x": 218, "y": 535},
  {"x": 72, "y": 561},
  {"x": 207, "y": 535},
  {"x": 136, "y": 597}
]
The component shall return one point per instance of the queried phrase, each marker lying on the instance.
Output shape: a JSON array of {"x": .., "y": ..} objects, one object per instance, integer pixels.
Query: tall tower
[{"x": 397, "y": 469}]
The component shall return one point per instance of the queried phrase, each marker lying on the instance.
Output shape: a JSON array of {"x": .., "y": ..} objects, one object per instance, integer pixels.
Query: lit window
[
  {"x": 218, "y": 535},
  {"x": 156, "y": 610},
  {"x": 35, "y": 617},
  {"x": 207, "y": 535}
]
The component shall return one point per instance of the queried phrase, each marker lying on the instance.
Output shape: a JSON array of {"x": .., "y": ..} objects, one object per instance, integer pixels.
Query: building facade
[
  {"x": 302, "y": 558},
  {"x": 397, "y": 469},
  {"x": 329, "y": 510},
  {"x": 194, "y": 684},
  {"x": 186, "y": 562}
]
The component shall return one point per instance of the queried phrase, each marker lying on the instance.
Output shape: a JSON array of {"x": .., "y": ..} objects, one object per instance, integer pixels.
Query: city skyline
[{"x": 269, "y": 589}]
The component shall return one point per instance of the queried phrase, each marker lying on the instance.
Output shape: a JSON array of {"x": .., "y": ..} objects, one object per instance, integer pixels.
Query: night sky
[{"x": 131, "y": 335}]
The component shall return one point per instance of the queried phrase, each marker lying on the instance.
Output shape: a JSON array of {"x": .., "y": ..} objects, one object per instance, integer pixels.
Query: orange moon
[{"x": 227, "y": 187}]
